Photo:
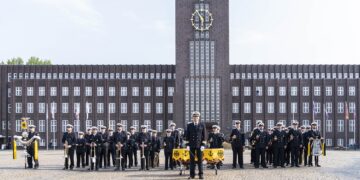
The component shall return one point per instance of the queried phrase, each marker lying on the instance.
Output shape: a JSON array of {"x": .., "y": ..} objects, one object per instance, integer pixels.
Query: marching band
[{"x": 279, "y": 146}]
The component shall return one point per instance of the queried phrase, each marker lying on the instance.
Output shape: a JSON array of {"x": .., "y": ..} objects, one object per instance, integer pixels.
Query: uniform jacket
[
  {"x": 70, "y": 138},
  {"x": 169, "y": 144},
  {"x": 216, "y": 140},
  {"x": 239, "y": 141},
  {"x": 195, "y": 135}
]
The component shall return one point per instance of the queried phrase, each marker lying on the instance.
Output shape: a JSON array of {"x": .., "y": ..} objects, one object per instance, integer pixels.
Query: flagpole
[
  {"x": 354, "y": 114},
  {"x": 53, "y": 118}
]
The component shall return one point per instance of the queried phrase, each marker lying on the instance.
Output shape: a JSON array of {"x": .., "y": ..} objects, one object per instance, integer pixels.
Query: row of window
[
  {"x": 88, "y": 108},
  {"x": 328, "y": 107},
  {"x": 328, "y": 126},
  {"x": 294, "y": 75},
  {"x": 135, "y": 91},
  {"x": 294, "y": 91},
  {"x": 41, "y": 126},
  {"x": 91, "y": 76}
]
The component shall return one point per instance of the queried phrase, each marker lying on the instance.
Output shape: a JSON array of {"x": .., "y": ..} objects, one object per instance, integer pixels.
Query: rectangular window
[
  {"x": 135, "y": 108},
  {"x": 271, "y": 91},
  {"x": 259, "y": 91},
  {"x": 41, "y": 107},
  {"x": 340, "y": 107},
  {"x": 271, "y": 107},
  {"x": 100, "y": 91},
  {"x": 170, "y": 108},
  {"x": 76, "y": 125},
  {"x": 294, "y": 91},
  {"x": 135, "y": 123},
  {"x": 53, "y": 91},
  {"x": 65, "y": 91},
  {"x": 340, "y": 125},
  {"x": 329, "y": 125},
  {"x": 328, "y": 107},
  {"x": 351, "y": 125},
  {"x": 88, "y": 91},
  {"x": 306, "y": 107},
  {"x": 100, "y": 123},
  {"x": 18, "y": 125},
  {"x": 18, "y": 108},
  {"x": 328, "y": 91},
  {"x": 135, "y": 91},
  {"x": 76, "y": 91},
  {"x": 123, "y": 108},
  {"x": 125, "y": 124},
  {"x": 159, "y": 125},
  {"x": 340, "y": 142},
  {"x": 30, "y": 107},
  {"x": 41, "y": 91},
  {"x": 30, "y": 91},
  {"x": 247, "y": 126},
  {"x": 247, "y": 91},
  {"x": 340, "y": 91},
  {"x": 235, "y": 91},
  {"x": 112, "y": 108},
  {"x": 147, "y": 91},
  {"x": 270, "y": 124},
  {"x": 147, "y": 123},
  {"x": 53, "y": 126},
  {"x": 306, "y": 91},
  {"x": 258, "y": 107},
  {"x": 147, "y": 108},
  {"x": 235, "y": 107},
  {"x": 171, "y": 91},
  {"x": 317, "y": 107},
  {"x": 100, "y": 108},
  {"x": 282, "y": 91},
  {"x": 317, "y": 91},
  {"x": 159, "y": 108},
  {"x": 294, "y": 107},
  {"x": 352, "y": 91},
  {"x": 159, "y": 91},
  {"x": 41, "y": 125},
  {"x": 352, "y": 107},
  {"x": 123, "y": 91},
  {"x": 18, "y": 91},
  {"x": 247, "y": 107},
  {"x": 282, "y": 107},
  {"x": 88, "y": 124},
  {"x": 112, "y": 91}
]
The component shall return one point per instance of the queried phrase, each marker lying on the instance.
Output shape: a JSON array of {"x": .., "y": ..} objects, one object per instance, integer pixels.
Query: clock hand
[{"x": 201, "y": 18}]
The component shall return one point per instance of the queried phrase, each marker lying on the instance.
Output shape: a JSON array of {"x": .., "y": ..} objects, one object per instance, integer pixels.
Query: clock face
[{"x": 202, "y": 20}]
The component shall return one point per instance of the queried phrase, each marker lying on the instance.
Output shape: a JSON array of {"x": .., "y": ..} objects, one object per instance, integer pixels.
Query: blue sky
[{"x": 143, "y": 31}]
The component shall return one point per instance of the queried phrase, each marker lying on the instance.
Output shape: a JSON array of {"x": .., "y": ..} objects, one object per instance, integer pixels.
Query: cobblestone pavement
[{"x": 336, "y": 165}]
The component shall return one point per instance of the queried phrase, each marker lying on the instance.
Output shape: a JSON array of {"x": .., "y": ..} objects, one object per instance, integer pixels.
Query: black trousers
[
  {"x": 120, "y": 159},
  {"x": 168, "y": 160},
  {"x": 134, "y": 155},
  {"x": 110, "y": 154},
  {"x": 269, "y": 156},
  {"x": 237, "y": 156},
  {"x": 129, "y": 158},
  {"x": 260, "y": 153},
  {"x": 103, "y": 157},
  {"x": 30, "y": 158},
  {"x": 287, "y": 156},
  {"x": 71, "y": 158},
  {"x": 316, "y": 160},
  {"x": 279, "y": 156},
  {"x": 198, "y": 153},
  {"x": 295, "y": 155},
  {"x": 87, "y": 155},
  {"x": 301, "y": 154},
  {"x": 97, "y": 159},
  {"x": 152, "y": 158},
  {"x": 252, "y": 155},
  {"x": 145, "y": 159},
  {"x": 306, "y": 158},
  {"x": 80, "y": 157}
]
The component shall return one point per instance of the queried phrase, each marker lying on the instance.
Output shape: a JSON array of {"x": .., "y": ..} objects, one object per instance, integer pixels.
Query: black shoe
[
  {"x": 147, "y": 169},
  {"x": 292, "y": 166},
  {"x": 241, "y": 167},
  {"x": 297, "y": 166},
  {"x": 117, "y": 169},
  {"x": 318, "y": 165},
  {"x": 201, "y": 177},
  {"x": 265, "y": 167},
  {"x": 65, "y": 168},
  {"x": 234, "y": 167},
  {"x": 77, "y": 166},
  {"x": 275, "y": 167},
  {"x": 71, "y": 168},
  {"x": 256, "y": 167},
  {"x": 283, "y": 166},
  {"x": 191, "y": 177}
]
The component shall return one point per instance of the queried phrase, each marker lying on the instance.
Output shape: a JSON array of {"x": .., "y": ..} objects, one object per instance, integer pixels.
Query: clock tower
[{"x": 202, "y": 62}]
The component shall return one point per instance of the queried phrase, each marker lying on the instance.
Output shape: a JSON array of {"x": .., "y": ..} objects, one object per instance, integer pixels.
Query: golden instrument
[
  {"x": 23, "y": 141},
  {"x": 118, "y": 153},
  {"x": 66, "y": 149},
  {"x": 36, "y": 150},
  {"x": 14, "y": 149}
]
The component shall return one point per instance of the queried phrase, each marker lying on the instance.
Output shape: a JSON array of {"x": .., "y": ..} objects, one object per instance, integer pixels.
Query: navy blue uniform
[{"x": 237, "y": 146}]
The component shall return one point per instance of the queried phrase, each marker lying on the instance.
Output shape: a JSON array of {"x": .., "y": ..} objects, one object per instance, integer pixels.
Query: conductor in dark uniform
[
  {"x": 261, "y": 139},
  {"x": 237, "y": 139},
  {"x": 195, "y": 135}
]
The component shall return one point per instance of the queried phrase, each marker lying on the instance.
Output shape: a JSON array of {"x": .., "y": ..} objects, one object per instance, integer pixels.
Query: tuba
[{"x": 26, "y": 143}]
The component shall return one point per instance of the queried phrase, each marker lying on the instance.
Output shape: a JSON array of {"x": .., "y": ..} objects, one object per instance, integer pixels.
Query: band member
[
  {"x": 87, "y": 147},
  {"x": 269, "y": 151},
  {"x": 216, "y": 140},
  {"x": 195, "y": 135},
  {"x": 155, "y": 147},
  {"x": 120, "y": 137},
  {"x": 95, "y": 148},
  {"x": 278, "y": 138},
  {"x": 169, "y": 145},
  {"x": 261, "y": 139},
  {"x": 80, "y": 150},
  {"x": 129, "y": 151},
  {"x": 252, "y": 143},
  {"x": 104, "y": 147},
  {"x": 31, "y": 149},
  {"x": 306, "y": 138},
  {"x": 301, "y": 153},
  {"x": 288, "y": 147},
  {"x": 69, "y": 141},
  {"x": 315, "y": 144},
  {"x": 237, "y": 139},
  {"x": 143, "y": 140},
  {"x": 134, "y": 147},
  {"x": 295, "y": 142},
  {"x": 111, "y": 148}
]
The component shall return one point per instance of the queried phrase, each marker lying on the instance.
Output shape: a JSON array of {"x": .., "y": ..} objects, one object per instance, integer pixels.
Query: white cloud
[{"x": 80, "y": 12}]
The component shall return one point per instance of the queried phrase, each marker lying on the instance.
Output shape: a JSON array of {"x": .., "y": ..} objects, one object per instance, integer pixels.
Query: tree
[
  {"x": 15, "y": 61},
  {"x": 37, "y": 61}
]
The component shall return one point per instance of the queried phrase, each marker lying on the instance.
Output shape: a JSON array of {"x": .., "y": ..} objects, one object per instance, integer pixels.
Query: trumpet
[{"x": 93, "y": 152}]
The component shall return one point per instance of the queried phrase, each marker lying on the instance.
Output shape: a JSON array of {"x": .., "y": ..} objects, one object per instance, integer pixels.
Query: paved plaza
[{"x": 336, "y": 165}]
